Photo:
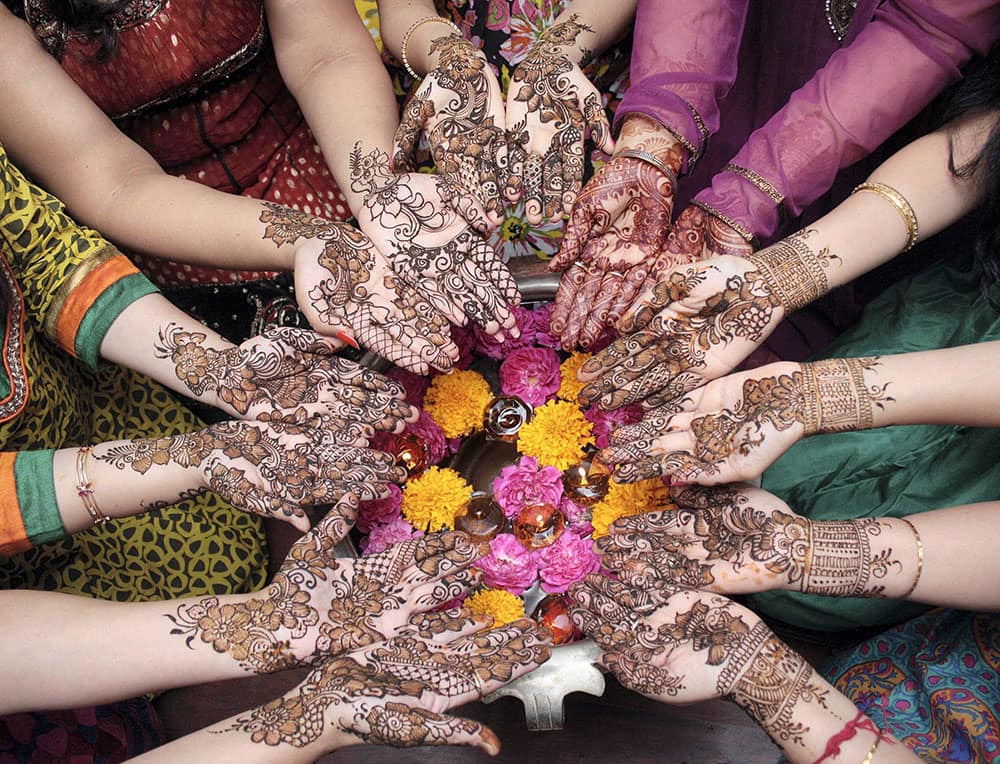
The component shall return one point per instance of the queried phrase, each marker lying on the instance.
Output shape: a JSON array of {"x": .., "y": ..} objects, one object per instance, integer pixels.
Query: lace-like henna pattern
[
  {"x": 766, "y": 679},
  {"x": 466, "y": 143},
  {"x": 348, "y": 296},
  {"x": 840, "y": 562},
  {"x": 461, "y": 277},
  {"x": 794, "y": 272},
  {"x": 837, "y": 398}
]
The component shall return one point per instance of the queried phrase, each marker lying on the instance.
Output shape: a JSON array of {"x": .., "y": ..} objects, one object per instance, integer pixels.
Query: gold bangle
[
  {"x": 920, "y": 558},
  {"x": 902, "y": 206},
  {"x": 743, "y": 232},
  {"x": 413, "y": 28},
  {"x": 757, "y": 180},
  {"x": 871, "y": 751},
  {"x": 650, "y": 159},
  {"x": 85, "y": 488}
]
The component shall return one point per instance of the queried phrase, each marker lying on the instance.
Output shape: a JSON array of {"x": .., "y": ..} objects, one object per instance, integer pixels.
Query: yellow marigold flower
[
  {"x": 569, "y": 385},
  {"x": 499, "y": 603},
  {"x": 431, "y": 501},
  {"x": 624, "y": 499},
  {"x": 456, "y": 402},
  {"x": 557, "y": 435}
]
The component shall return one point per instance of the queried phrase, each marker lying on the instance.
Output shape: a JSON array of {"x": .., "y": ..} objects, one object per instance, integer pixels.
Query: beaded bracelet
[
  {"x": 413, "y": 28},
  {"x": 85, "y": 489},
  {"x": 902, "y": 206}
]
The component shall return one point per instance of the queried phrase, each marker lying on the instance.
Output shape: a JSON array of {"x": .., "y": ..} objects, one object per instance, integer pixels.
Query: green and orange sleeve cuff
[
  {"x": 29, "y": 513},
  {"x": 99, "y": 289}
]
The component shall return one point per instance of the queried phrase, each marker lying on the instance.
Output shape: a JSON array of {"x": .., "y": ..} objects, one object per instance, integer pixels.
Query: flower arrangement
[{"x": 543, "y": 508}]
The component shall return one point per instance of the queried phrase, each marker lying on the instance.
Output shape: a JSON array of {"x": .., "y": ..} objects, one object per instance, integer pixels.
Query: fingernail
[{"x": 345, "y": 337}]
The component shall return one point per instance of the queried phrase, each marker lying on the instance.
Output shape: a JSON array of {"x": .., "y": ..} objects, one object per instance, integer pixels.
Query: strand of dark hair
[{"x": 979, "y": 93}]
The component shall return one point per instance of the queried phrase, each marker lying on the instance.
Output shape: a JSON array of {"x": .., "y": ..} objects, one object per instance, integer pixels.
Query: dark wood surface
[{"x": 618, "y": 727}]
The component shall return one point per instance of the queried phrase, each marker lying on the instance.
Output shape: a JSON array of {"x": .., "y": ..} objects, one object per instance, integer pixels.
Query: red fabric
[{"x": 237, "y": 131}]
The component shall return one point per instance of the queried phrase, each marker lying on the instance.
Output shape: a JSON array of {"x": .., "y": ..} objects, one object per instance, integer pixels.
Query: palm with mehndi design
[
  {"x": 696, "y": 646},
  {"x": 274, "y": 467},
  {"x": 701, "y": 320},
  {"x": 283, "y": 370},
  {"x": 343, "y": 283},
  {"x": 741, "y": 538},
  {"x": 734, "y": 428},
  {"x": 425, "y": 225},
  {"x": 460, "y": 108},
  {"x": 550, "y": 105},
  {"x": 617, "y": 227},
  {"x": 319, "y": 605},
  {"x": 397, "y": 692}
]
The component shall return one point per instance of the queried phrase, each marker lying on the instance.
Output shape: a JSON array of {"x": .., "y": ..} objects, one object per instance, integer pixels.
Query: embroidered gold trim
[
  {"x": 743, "y": 232},
  {"x": 13, "y": 360},
  {"x": 757, "y": 180}
]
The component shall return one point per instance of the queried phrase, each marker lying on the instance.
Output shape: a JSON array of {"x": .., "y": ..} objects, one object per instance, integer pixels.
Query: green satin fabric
[{"x": 894, "y": 471}]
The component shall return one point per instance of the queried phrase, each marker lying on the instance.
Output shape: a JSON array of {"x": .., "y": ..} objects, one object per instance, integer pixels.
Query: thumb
[
  {"x": 456, "y": 730},
  {"x": 411, "y": 125}
]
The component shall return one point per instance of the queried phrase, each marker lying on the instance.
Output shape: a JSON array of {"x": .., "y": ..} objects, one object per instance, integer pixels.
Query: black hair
[
  {"x": 92, "y": 17},
  {"x": 979, "y": 93}
]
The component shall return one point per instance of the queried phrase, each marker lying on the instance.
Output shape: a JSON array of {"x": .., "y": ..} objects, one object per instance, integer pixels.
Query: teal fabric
[
  {"x": 893, "y": 471},
  {"x": 36, "y": 494}
]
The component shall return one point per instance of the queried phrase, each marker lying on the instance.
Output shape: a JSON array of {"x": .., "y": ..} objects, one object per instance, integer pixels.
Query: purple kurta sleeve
[
  {"x": 683, "y": 62},
  {"x": 904, "y": 57}
]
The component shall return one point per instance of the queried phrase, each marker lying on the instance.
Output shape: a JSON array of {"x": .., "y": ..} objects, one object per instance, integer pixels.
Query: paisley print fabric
[{"x": 933, "y": 682}]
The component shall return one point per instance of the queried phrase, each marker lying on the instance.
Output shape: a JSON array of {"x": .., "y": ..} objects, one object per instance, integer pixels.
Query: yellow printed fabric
[{"x": 61, "y": 285}]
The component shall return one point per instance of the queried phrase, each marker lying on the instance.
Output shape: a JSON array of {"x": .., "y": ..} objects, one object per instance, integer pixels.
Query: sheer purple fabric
[{"x": 794, "y": 104}]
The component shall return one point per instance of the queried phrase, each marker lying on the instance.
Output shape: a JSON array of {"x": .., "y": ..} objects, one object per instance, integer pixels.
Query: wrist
[
  {"x": 415, "y": 49},
  {"x": 842, "y": 395},
  {"x": 642, "y": 133}
]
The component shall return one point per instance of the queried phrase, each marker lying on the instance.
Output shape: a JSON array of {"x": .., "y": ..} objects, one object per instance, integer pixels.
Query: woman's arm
[
  {"x": 701, "y": 320},
  {"x": 64, "y": 651},
  {"x": 683, "y": 646},
  {"x": 738, "y": 539},
  {"x": 69, "y": 146}
]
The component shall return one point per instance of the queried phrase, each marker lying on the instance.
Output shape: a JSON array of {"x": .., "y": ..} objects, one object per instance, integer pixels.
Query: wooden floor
[{"x": 618, "y": 727}]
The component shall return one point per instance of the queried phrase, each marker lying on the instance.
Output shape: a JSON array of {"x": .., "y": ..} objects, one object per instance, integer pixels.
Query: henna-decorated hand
[
  {"x": 618, "y": 226},
  {"x": 695, "y": 236},
  {"x": 550, "y": 103},
  {"x": 343, "y": 283},
  {"x": 319, "y": 605},
  {"x": 460, "y": 108},
  {"x": 734, "y": 428},
  {"x": 422, "y": 222},
  {"x": 734, "y": 539},
  {"x": 396, "y": 693},
  {"x": 738, "y": 539},
  {"x": 683, "y": 646},
  {"x": 287, "y": 369},
  {"x": 272, "y": 467},
  {"x": 701, "y": 321}
]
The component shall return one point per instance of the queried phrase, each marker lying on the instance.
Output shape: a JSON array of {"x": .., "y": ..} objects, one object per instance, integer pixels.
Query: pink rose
[
  {"x": 532, "y": 374},
  {"x": 415, "y": 385},
  {"x": 543, "y": 321},
  {"x": 566, "y": 561},
  {"x": 508, "y": 565},
  {"x": 572, "y": 511},
  {"x": 521, "y": 484},
  {"x": 491, "y": 348},
  {"x": 379, "y": 511},
  {"x": 384, "y": 536},
  {"x": 606, "y": 422}
]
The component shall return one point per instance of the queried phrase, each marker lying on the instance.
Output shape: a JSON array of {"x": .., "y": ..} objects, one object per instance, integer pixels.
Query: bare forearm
[
  {"x": 331, "y": 65},
  {"x": 64, "y": 651}
]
